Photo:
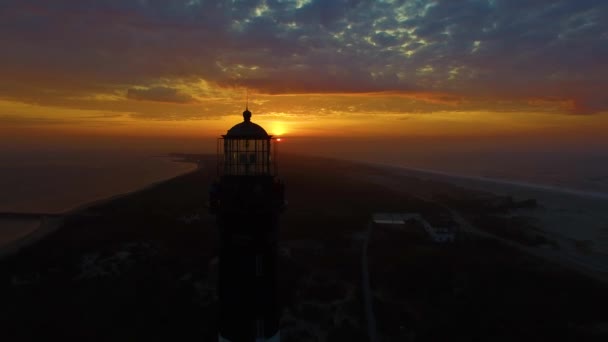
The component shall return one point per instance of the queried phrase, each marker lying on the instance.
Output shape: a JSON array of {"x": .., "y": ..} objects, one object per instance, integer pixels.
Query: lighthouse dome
[{"x": 247, "y": 129}]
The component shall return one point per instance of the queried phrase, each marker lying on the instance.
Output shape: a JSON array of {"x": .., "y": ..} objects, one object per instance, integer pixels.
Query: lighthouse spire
[{"x": 247, "y": 113}]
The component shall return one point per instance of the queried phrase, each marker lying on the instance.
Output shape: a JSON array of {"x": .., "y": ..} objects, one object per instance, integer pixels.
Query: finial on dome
[{"x": 247, "y": 115}]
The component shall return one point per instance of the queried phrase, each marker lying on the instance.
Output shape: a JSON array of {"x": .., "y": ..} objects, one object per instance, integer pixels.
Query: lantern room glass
[{"x": 244, "y": 157}]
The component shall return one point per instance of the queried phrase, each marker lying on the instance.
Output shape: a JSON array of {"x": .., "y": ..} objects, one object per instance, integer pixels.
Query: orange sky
[{"x": 308, "y": 115}]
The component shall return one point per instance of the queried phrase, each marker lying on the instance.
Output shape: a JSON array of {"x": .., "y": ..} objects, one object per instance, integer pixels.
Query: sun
[{"x": 278, "y": 128}]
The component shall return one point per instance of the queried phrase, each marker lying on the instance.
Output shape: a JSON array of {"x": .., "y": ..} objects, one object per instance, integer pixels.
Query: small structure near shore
[{"x": 441, "y": 234}]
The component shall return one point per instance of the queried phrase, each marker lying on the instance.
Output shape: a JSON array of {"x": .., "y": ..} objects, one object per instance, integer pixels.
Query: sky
[{"x": 365, "y": 74}]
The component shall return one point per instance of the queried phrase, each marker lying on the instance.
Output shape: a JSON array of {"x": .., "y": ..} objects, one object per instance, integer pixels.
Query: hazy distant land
[{"x": 145, "y": 264}]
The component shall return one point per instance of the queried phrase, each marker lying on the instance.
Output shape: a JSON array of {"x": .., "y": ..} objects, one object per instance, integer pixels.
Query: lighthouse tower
[{"x": 247, "y": 200}]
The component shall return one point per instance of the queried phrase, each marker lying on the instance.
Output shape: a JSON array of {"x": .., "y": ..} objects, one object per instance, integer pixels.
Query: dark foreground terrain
[{"x": 143, "y": 268}]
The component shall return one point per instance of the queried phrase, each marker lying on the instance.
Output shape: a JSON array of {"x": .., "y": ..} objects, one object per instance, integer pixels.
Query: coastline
[
  {"x": 51, "y": 222},
  {"x": 455, "y": 177},
  {"x": 47, "y": 226},
  {"x": 576, "y": 220},
  {"x": 572, "y": 214},
  {"x": 564, "y": 216},
  {"x": 76, "y": 180}
]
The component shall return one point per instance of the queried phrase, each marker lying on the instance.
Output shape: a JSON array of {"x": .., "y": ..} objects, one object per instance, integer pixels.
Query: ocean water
[
  {"x": 583, "y": 173},
  {"x": 569, "y": 165},
  {"x": 55, "y": 181}
]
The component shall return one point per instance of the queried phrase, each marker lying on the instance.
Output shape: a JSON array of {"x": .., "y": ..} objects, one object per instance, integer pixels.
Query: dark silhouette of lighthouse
[{"x": 247, "y": 200}]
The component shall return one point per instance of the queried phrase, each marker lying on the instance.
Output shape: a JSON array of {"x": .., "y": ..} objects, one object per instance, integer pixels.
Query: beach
[
  {"x": 575, "y": 214},
  {"x": 575, "y": 222}
]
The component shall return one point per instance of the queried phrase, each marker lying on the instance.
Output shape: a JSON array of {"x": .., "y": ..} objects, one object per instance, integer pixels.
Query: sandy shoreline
[
  {"x": 46, "y": 227},
  {"x": 50, "y": 224},
  {"x": 573, "y": 214},
  {"x": 577, "y": 221},
  {"x": 471, "y": 180}
]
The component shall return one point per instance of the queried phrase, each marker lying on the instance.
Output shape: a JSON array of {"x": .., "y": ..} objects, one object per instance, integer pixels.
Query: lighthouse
[{"x": 247, "y": 200}]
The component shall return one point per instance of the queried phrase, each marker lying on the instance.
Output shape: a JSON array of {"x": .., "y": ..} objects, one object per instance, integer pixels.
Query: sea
[
  {"x": 570, "y": 166},
  {"x": 584, "y": 173},
  {"x": 55, "y": 181}
]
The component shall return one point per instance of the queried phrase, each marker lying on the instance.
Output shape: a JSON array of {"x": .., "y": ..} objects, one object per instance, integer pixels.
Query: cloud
[
  {"x": 159, "y": 94},
  {"x": 475, "y": 48}
]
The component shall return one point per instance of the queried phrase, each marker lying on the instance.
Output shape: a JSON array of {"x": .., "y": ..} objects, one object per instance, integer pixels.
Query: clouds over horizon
[
  {"x": 159, "y": 94},
  {"x": 485, "y": 52}
]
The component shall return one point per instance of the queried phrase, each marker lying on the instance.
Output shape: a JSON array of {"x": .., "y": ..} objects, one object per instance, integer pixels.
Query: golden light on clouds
[
  {"x": 310, "y": 69},
  {"x": 338, "y": 115}
]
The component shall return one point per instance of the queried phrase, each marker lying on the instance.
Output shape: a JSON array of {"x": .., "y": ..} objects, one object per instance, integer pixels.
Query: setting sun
[{"x": 277, "y": 128}]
